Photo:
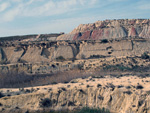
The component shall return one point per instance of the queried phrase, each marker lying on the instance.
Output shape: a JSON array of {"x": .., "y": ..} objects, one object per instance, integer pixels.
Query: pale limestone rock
[{"x": 64, "y": 51}]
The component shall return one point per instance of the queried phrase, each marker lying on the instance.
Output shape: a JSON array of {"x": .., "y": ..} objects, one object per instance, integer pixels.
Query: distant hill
[
  {"x": 110, "y": 29},
  {"x": 33, "y": 37}
]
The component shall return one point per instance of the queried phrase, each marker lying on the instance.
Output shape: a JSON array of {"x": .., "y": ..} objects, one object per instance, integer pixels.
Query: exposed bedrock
[
  {"x": 72, "y": 50},
  {"x": 60, "y": 56},
  {"x": 117, "y": 100},
  {"x": 110, "y": 29}
]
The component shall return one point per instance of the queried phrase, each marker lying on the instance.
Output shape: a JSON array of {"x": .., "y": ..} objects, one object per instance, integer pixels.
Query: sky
[{"x": 23, "y": 17}]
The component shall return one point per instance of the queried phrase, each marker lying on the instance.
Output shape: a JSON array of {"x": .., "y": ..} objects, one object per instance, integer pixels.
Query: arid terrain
[{"x": 99, "y": 65}]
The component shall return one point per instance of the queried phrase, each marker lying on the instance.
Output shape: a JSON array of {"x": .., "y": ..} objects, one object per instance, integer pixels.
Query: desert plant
[
  {"x": 87, "y": 86},
  {"x": 120, "y": 86},
  {"x": 116, "y": 67},
  {"x": 96, "y": 56},
  {"x": 128, "y": 92},
  {"x": 128, "y": 87},
  {"x": 79, "y": 66},
  {"x": 139, "y": 87},
  {"x": 82, "y": 56},
  {"x": 99, "y": 85},
  {"x": 104, "y": 41},
  {"x": 45, "y": 102},
  {"x": 145, "y": 56},
  {"x": 54, "y": 82},
  {"x": 1, "y": 95},
  {"x": 60, "y": 58}
]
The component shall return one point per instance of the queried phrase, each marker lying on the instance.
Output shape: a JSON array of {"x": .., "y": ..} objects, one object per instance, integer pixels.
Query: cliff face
[
  {"x": 32, "y": 56},
  {"x": 107, "y": 29},
  {"x": 110, "y": 29},
  {"x": 51, "y": 51}
]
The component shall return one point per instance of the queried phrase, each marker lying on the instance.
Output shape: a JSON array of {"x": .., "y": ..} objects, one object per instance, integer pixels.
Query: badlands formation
[{"x": 110, "y": 60}]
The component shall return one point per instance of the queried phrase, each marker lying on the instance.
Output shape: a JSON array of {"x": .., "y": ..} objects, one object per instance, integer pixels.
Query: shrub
[
  {"x": 64, "y": 89},
  {"x": 116, "y": 67},
  {"x": 97, "y": 56},
  {"x": 79, "y": 66},
  {"x": 87, "y": 86},
  {"x": 145, "y": 56},
  {"x": 128, "y": 87},
  {"x": 60, "y": 58},
  {"x": 128, "y": 92},
  {"x": 120, "y": 86},
  {"x": 1, "y": 95},
  {"x": 104, "y": 41},
  {"x": 54, "y": 82},
  {"x": 99, "y": 85},
  {"x": 45, "y": 102},
  {"x": 139, "y": 87}
]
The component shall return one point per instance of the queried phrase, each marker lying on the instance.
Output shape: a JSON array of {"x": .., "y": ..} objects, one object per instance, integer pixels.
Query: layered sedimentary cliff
[
  {"x": 119, "y": 46},
  {"x": 35, "y": 56},
  {"x": 110, "y": 29}
]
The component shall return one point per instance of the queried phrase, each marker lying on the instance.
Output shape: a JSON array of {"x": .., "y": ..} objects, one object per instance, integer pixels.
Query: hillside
[
  {"x": 105, "y": 64},
  {"x": 110, "y": 29}
]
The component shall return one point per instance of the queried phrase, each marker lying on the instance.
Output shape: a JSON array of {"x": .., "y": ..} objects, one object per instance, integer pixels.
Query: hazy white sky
[{"x": 20, "y": 17}]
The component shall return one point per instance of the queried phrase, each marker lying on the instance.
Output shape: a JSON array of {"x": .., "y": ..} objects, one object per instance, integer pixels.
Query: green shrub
[
  {"x": 54, "y": 82},
  {"x": 45, "y": 102},
  {"x": 60, "y": 58},
  {"x": 1, "y": 95},
  {"x": 145, "y": 56},
  {"x": 104, "y": 41},
  {"x": 139, "y": 87},
  {"x": 97, "y": 56}
]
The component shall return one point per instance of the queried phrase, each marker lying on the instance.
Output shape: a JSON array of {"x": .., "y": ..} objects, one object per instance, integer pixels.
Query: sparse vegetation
[
  {"x": 128, "y": 92},
  {"x": 1, "y": 104},
  {"x": 120, "y": 86},
  {"x": 1, "y": 95},
  {"x": 145, "y": 56},
  {"x": 96, "y": 56},
  {"x": 45, "y": 102},
  {"x": 116, "y": 67},
  {"x": 60, "y": 59},
  {"x": 99, "y": 85},
  {"x": 104, "y": 41},
  {"x": 128, "y": 87},
  {"x": 139, "y": 86}
]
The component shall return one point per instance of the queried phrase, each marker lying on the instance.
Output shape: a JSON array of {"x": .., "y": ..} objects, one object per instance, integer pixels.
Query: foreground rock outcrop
[{"x": 119, "y": 95}]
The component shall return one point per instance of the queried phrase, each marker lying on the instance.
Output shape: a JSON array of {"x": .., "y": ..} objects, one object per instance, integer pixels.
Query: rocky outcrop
[
  {"x": 110, "y": 29},
  {"x": 39, "y": 57},
  {"x": 114, "y": 94}
]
